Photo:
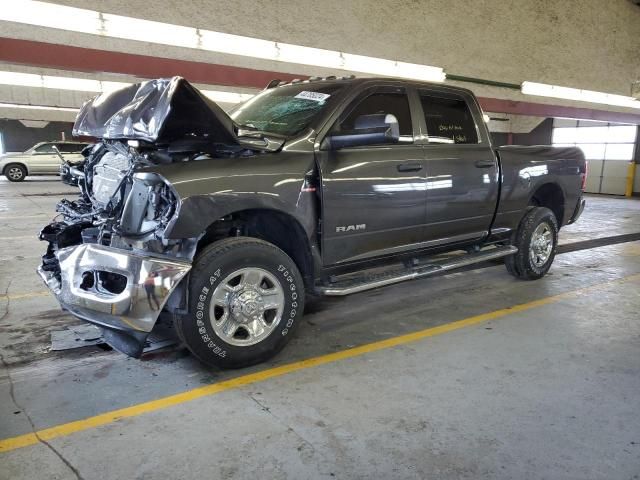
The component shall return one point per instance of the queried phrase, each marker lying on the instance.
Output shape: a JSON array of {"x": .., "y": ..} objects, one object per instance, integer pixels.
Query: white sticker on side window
[{"x": 315, "y": 96}]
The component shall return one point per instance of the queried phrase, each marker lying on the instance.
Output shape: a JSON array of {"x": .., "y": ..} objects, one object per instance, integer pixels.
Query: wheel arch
[
  {"x": 551, "y": 196},
  {"x": 23, "y": 165},
  {"x": 274, "y": 226}
]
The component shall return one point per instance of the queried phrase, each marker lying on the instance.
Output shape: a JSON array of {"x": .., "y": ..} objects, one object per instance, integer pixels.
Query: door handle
[
  {"x": 485, "y": 163},
  {"x": 409, "y": 167}
]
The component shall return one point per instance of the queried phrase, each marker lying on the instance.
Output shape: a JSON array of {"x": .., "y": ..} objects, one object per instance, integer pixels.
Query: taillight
[{"x": 583, "y": 176}]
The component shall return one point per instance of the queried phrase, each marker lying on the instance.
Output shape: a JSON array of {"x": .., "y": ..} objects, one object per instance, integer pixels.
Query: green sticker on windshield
[{"x": 315, "y": 96}]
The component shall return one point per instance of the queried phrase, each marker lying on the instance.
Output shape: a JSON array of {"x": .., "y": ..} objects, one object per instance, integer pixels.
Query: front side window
[
  {"x": 285, "y": 110},
  {"x": 45, "y": 148},
  {"x": 448, "y": 119},
  {"x": 396, "y": 104}
]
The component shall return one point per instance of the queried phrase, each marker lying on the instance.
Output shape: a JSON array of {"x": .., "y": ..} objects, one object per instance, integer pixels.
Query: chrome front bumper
[{"x": 149, "y": 283}]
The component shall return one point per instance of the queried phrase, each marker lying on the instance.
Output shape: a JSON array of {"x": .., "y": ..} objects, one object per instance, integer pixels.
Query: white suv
[{"x": 41, "y": 159}]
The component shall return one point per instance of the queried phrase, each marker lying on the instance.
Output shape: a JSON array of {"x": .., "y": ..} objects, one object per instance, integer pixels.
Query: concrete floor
[{"x": 549, "y": 390}]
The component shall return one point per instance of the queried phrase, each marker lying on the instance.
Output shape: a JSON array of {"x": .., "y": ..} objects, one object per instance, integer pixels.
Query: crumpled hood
[{"x": 156, "y": 111}]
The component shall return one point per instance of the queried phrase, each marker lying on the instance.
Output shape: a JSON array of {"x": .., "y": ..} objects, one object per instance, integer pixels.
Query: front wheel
[
  {"x": 537, "y": 240},
  {"x": 15, "y": 172},
  {"x": 246, "y": 298}
]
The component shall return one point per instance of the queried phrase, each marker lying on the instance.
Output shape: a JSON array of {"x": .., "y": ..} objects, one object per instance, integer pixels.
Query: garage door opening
[{"x": 609, "y": 148}]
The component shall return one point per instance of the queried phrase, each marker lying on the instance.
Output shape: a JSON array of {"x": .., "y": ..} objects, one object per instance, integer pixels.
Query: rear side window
[
  {"x": 70, "y": 147},
  {"x": 448, "y": 119},
  {"x": 396, "y": 104}
]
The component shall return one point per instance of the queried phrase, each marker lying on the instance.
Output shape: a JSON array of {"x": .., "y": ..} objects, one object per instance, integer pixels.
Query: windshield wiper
[{"x": 248, "y": 126}]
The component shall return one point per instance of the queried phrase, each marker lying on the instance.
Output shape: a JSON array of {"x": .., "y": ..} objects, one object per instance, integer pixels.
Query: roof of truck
[{"x": 352, "y": 79}]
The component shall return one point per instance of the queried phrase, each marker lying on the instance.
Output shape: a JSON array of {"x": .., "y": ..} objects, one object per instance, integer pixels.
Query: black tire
[
  {"x": 212, "y": 266},
  {"x": 522, "y": 265},
  {"x": 15, "y": 172}
]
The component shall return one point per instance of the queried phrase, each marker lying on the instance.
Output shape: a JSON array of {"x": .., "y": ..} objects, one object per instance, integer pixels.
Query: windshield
[{"x": 285, "y": 110}]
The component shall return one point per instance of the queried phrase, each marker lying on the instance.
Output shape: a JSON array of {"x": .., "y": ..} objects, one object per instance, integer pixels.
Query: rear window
[{"x": 448, "y": 119}]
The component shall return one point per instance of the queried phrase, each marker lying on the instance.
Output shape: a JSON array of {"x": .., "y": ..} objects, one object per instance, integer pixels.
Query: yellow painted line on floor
[
  {"x": 65, "y": 429},
  {"x": 19, "y": 296}
]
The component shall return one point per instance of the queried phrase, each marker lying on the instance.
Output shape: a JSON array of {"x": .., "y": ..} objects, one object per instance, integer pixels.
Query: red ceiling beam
[{"x": 66, "y": 57}]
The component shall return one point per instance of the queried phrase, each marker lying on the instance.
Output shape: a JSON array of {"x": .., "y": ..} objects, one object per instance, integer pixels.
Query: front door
[
  {"x": 462, "y": 170},
  {"x": 44, "y": 160},
  {"x": 373, "y": 196}
]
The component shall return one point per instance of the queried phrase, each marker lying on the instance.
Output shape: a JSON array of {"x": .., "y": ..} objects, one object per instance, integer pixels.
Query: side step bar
[{"x": 360, "y": 285}]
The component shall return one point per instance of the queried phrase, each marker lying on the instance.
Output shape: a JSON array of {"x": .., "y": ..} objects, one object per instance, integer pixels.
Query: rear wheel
[
  {"x": 15, "y": 172},
  {"x": 537, "y": 240},
  {"x": 246, "y": 298}
]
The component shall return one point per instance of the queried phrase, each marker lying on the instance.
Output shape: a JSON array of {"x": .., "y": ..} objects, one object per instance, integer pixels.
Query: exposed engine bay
[
  {"x": 122, "y": 205},
  {"x": 117, "y": 207}
]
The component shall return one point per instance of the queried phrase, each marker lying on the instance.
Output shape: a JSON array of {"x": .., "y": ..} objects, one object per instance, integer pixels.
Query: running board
[{"x": 350, "y": 286}]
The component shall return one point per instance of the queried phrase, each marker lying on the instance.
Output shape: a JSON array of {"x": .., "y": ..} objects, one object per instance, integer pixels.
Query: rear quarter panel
[{"x": 525, "y": 169}]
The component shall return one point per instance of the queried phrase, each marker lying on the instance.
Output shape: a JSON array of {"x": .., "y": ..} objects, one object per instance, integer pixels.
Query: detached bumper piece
[{"x": 121, "y": 291}]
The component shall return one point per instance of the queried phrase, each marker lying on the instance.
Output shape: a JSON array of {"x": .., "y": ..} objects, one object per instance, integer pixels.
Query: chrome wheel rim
[
  {"x": 541, "y": 245},
  {"x": 246, "y": 306},
  {"x": 15, "y": 173}
]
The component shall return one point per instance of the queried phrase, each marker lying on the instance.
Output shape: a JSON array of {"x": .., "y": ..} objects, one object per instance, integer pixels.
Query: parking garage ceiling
[{"x": 233, "y": 50}]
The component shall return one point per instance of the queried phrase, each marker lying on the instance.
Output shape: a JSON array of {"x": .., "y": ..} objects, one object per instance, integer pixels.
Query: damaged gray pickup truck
[{"x": 224, "y": 223}]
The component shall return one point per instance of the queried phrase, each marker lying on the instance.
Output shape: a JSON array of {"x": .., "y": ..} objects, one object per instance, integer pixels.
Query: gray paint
[{"x": 402, "y": 211}]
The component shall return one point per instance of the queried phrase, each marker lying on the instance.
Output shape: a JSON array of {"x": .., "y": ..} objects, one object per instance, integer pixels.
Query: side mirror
[{"x": 368, "y": 130}]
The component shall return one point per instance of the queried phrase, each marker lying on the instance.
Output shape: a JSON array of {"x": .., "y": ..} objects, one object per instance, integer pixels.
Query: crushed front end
[{"x": 107, "y": 261}]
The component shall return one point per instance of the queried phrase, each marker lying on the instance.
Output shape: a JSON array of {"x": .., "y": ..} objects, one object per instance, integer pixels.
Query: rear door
[
  {"x": 461, "y": 168},
  {"x": 373, "y": 196}
]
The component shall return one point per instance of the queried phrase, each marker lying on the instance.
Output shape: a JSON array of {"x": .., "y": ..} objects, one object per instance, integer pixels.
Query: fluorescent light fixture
[
  {"x": 38, "y": 107},
  {"x": 555, "y": 91},
  {"x": 81, "y": 20},
  {"x": 88, "y": 85}
]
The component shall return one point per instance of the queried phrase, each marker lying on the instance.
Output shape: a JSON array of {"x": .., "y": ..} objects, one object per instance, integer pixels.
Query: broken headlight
[{"x": 150, "y": 204}]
